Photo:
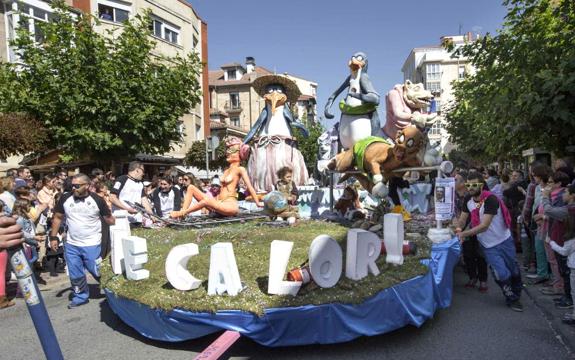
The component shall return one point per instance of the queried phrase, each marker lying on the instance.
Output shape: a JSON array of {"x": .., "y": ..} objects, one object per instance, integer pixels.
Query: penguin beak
[
  {"x": 275, "y": 99},
  {"x": 355, "y": 65}
]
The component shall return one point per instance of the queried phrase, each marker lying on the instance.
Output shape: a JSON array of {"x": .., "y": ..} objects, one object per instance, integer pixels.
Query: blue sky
[{"x": 314, "y": 39}]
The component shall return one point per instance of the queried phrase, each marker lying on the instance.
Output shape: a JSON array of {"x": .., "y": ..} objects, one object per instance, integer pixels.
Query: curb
[{"x": 565, "y": 334}]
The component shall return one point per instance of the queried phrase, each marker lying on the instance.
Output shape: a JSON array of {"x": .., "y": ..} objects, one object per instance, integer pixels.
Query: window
[
  {"x": 234, "y": 100},
  {"x": 231, "y": 74},
  {"x": 30, "y": 18},
  {"x": 164, "y": 30},
  {"x": 113, "y": 11},
  {"x": 181, "y": 128},
  {"x": 235, "y": 121},
  {"x": 433, "y": 86},
  {"x": 171, "y": 36},
  {"x": 461, "y": 71},
  {"x": 433, "y": 72},
  {"x": 435, "y": 129},
  {"x": 194, "y": 41},
  {"x": 198, "y": 132}
]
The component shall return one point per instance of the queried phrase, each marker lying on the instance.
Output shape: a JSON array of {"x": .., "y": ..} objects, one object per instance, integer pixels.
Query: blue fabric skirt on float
[{"x": 411, "y": 302}]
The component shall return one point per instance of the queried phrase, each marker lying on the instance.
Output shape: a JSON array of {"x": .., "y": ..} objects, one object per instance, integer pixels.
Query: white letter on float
[
  {"x": 135, "y": 255},
  {"x": 393, "y": 238},
  {"x": 363, "y": 249},
  {"x": 325, "y": 261},
  {"x": 280, "y": 252},
  {"x": 117, "y": 232},
  {"x": 224, "y": 274},
  {"x": 177, "y": 267}
]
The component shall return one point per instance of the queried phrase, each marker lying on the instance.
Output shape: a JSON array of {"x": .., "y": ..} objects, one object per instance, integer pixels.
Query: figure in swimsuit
[{"x": 226, "y": 203}]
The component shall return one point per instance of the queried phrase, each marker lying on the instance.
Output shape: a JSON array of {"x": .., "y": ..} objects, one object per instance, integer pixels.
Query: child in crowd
[
  {"x": 31, "y": 241},
  {"x": 287, "y": 187}
]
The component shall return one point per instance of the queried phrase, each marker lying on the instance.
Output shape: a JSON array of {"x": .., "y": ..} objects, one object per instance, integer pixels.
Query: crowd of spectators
[
  {"x": 541, "y": 215},
  {"x": 52, "y": 229}
]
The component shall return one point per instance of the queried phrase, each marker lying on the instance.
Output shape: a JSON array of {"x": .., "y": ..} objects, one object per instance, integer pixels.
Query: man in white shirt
[{"x": 84, "y": 212}]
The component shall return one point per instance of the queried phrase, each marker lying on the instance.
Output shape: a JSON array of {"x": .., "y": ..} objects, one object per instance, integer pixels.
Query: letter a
[{"x": 224, "y": 274}]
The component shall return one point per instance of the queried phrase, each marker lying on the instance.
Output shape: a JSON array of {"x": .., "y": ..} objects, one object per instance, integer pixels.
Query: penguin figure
[
  {"x": 272, "y": 143},
  {"x": 359, "y": 118}
]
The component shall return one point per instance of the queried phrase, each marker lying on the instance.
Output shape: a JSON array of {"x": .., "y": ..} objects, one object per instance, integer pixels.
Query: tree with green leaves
[
  {"x": 99, "y": 95},
  {"x": 523, "y": 92},
  {"x": 308, "y": 146},
  {"x": 196, "y": 156}
]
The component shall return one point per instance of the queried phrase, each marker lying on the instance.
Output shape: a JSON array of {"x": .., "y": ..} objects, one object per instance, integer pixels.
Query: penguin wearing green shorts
[{"x": 359, "y": 118}]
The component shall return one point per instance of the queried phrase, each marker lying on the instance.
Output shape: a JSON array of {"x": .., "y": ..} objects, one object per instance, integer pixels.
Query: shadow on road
[{"x": 108, "y": 317}]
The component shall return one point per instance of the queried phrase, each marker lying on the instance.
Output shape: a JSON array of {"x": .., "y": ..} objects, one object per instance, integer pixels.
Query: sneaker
[
  {"x": 73, "y": 305},
  {"x": 559, "y": 299},
  {"x": 551, "y": 291},
  {"x": 4, "y": 302},
  {"x": 483, "y": 287},
  {"x": 533, "y": 276},
  {"x": 516, "y": 306},
  {"x": 565, "y": 304}
]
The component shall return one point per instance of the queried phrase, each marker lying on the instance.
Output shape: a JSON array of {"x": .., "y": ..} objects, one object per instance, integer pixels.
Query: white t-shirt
[
  {"x": 83, "y": 217},
  {"x": 498, "y": 231},
  {"x": 128, "y": 189}
]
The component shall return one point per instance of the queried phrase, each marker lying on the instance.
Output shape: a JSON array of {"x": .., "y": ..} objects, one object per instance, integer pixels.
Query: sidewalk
[{"x": 565, "y": 333}]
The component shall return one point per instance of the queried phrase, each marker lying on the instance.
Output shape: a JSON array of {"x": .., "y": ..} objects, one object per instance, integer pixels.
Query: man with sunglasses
[
  {"x": 491, "y": 222},
  {"x": 84, "y": 212}
]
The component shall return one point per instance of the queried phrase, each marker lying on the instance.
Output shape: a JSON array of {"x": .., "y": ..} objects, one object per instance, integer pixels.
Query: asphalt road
[{"x": 476, "y": 326}]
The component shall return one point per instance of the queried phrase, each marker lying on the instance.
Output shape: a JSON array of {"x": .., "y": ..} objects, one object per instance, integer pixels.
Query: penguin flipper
[
  {"x": 292, "y": 122},
  {"x": 257, "y": 126}
]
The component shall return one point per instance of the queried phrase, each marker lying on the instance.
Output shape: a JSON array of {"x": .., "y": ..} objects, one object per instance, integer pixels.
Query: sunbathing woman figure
[{"x": 226, "y": 203}]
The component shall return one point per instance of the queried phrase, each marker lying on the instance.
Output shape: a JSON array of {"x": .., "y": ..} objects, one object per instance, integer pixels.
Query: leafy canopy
[
  {"x": 103, "y": 95},
  {"x": 523, "y": 92}
]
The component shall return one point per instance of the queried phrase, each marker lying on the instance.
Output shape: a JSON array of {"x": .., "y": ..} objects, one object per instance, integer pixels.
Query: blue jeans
[
  {"x": 503, "y": 263},
  {"x": 79, "y": 259}
]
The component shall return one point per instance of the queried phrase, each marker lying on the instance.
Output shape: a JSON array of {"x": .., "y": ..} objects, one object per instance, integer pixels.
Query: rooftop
[{"x": 216, "y": 77}]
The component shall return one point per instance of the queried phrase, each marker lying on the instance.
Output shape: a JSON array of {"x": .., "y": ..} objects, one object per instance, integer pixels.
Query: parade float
[{"x": 310, "y": 282}]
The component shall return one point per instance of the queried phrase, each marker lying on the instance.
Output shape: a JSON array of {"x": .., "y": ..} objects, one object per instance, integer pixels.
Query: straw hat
[{"x": 291, "y": 90}]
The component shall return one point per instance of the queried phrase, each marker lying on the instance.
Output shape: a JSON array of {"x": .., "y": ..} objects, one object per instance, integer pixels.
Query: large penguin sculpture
[
  {"x": 359, "y": 117},
  {"x": 272, "y": 143}
]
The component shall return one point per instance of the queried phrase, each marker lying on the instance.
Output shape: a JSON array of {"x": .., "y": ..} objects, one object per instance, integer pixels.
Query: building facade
[
  {"x": 176, "y": 29},
  {"x": 435, "y": 67},
  {"x": 235, "y": 105}
]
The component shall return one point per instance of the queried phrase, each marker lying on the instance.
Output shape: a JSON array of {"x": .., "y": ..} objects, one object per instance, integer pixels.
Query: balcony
[{"x": 233, "y": 108}]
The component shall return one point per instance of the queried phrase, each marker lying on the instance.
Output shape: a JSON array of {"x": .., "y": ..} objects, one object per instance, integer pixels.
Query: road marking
[{"x": 219, "y": 347}]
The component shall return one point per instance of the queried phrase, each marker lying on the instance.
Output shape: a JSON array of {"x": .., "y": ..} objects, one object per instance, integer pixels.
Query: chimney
[
  {"x": 469, "y": 37},
  {"x": 250, "y": 64}
]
